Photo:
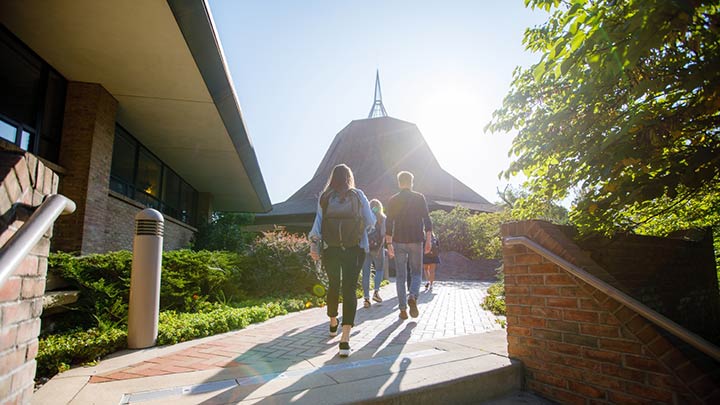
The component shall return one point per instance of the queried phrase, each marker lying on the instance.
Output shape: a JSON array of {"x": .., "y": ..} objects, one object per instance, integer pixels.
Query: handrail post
[{"x": 25, "y": 238}]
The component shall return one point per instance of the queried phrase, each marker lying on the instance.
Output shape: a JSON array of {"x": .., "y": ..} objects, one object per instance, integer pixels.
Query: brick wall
[
  {"x": 120, "y": 226},
  {"x": 580, "y": 346},
  {"x": 86, "y": 152},
  {"x": 25, "y": 180}
]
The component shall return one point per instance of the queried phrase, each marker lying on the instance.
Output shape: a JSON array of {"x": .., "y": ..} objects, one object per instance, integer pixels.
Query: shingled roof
[{"x": 376, "y": 149}]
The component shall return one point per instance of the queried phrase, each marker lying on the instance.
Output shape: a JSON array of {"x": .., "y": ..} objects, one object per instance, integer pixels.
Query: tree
[
  {"x": 623, "y": 108},
  {"x": 224, "y": 232},
  {"x": 515, "y": 199}
]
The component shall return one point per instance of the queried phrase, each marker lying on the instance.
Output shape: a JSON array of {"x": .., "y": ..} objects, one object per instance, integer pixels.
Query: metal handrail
[
  {"x": 648, "y": 313},
  {"x": 25, "y": 238}
]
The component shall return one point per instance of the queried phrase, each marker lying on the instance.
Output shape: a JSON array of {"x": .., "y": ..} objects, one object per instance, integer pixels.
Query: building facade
[{"x": 131, "y": 105}]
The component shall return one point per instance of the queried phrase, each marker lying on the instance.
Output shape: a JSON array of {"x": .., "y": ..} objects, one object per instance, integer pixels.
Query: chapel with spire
[{"x": 376, "y": 149}]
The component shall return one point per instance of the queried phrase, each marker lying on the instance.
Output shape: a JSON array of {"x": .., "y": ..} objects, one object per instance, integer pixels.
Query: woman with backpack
[
  {"x": 376, "y": 255},
  {"x": 340, "y": 230},
  {"x": 430, "y": 262}
]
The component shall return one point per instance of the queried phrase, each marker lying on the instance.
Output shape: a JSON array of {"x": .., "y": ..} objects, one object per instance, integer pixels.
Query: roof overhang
[{"x": 163, "y": 62}]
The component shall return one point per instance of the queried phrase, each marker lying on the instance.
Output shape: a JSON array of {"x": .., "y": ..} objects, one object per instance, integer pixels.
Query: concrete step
[{"x": 55, "y": 301}]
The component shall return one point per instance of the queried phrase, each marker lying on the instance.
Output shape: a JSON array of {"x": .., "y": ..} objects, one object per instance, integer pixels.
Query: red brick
[
  {"x": 663, "y": 381},
  {"x": 547, "y": 335},
  {"x": 587, "y": 303},
  {"x": 514, "y": 290},
  {"x": 33, "y": 287},
  {"x": 545, "y": 291},
  {"x": 600, "y": 296},
  {"x": 550, "y": 379},
  {"x": 520, "y": 340},
  {"x": 688, "y": 372},
  {"x": 528, "y": 258},
  {"x": 23, "y": 377},
  {"x": 580, "y": 316},
  {"x": 16, "y": 312},
  {"x": 674, "y": 358},
  {"x": 10, "y": 360},
  {"x": 565, "y": 371},
  {"x": 515, "y": 269},
  {"x": 510, "y": 280},
  {"x": 10, "y": 291},
  {"x": 562, "y": 326},
  {"x": 532, "y": 322},
  {"x": 579, "y": 362},
  {"x": 636, "y": 324},
  {"x": 547, "y": 313},
  {"x": 547, "y": 356},
  {"x": 565, "y": 348},
  {"x": 519, "y": 351},
  {"x": 566, "y": 397},
  {"x": 624, "y": 373},
  {"x": 620, "y": 398},
  {"x": 611, "y": 305},
  {"x": 559, "y": 279},
  {"x": 526, "y": 279},
  {"x": 647, "y": 392},
  {"x": 28, "y": 331},
  {"x": 512, "y": 299},
  {"x": 514, "y": 250},
  {"x": 569, "y": 292},
  {"x": 599, "y": 330},
  {"x": 603, "y": 355},
  {"x": 646, "y": 334},
  {"x": 530, "y": 300},
  {"x": 581, "y": 340},
  {"x": 519, "y": 331},
  {"x": 704, "y": 386},
  {"x": 643, "y": 363},
  {"x": 586, "y": 390},
  {"x": 8, "y": 337},
  {"x": 545, "y": 268},
  {"x": 31, "y": 350},
  {"x": 562, "y": 302},
  {"x": 28, "y": 266},
  {"x": 517, "y": 310},
  {"x": 659, "y": 346},
  {"x": 603, "y": 381},
  {"x": 624, "y": 314},
  {"x": 607, "y": 319},
  {"x": 621, "y": 346}
]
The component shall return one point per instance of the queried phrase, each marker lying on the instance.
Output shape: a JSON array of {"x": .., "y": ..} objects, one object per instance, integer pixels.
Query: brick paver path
[{"x": 452, "y": 309}]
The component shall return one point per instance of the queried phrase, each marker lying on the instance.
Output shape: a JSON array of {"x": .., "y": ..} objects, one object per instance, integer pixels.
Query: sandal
[{"x": 367, "y": 303}]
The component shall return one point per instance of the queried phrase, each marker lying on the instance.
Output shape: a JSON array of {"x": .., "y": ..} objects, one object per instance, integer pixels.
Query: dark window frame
[
  {"x": 39, "y": 99},
  {"x": 134, "y": 193}
]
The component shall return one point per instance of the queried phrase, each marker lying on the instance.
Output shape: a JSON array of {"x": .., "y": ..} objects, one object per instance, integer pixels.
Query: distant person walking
[
  {"x": 376, "y": 255},
  {"x": 408, "y": 227},
  {"x": 340, "y": 231},
  {"x": 430, "y": 261}
]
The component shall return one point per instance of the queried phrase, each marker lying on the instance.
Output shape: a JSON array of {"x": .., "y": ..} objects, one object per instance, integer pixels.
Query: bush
[
  {"x": 473, "y": 235},
  {"x": 280, "y": 263},
  {"x": 224, "y": 232},
  {"x": 494, "y": 301}
]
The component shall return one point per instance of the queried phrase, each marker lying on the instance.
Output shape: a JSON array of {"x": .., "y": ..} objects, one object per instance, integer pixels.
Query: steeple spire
[{"x": 378, "y": 109}]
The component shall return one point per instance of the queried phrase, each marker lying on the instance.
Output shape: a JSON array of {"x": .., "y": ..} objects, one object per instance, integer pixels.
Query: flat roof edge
[{"x": 195, "y": 22}]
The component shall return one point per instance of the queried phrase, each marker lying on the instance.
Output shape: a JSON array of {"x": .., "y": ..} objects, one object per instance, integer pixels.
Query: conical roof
[{"x": 376, "y": 150}]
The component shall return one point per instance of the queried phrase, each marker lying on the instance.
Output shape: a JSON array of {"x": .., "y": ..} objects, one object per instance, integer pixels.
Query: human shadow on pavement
[{"x": 304, "y": 357}]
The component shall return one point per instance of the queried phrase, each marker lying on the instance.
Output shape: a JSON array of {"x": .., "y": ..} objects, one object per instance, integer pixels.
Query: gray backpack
[{"x": 342, "y": 220}]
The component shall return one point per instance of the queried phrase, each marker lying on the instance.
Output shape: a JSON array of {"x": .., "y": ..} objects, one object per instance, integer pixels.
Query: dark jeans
[{"x": 345, "y": 262}]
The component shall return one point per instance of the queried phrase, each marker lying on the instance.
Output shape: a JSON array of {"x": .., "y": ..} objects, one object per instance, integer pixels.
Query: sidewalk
[{"x": 292, "y": 358}]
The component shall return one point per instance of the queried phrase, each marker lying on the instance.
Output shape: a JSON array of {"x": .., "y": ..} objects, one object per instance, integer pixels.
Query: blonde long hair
[
  {"x": 341, "y": 179},
  {"x": 376, "y": 203}
]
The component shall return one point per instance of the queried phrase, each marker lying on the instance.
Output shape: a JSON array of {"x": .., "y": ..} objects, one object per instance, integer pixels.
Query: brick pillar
[
  {"x": 25, "y": 180},
  {"x": 86, "y": 154}
]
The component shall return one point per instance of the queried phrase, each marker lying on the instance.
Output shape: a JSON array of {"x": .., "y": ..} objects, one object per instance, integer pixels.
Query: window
[
  {"x": 137, "y": 173},
  {"x": 32, "y": 99}
]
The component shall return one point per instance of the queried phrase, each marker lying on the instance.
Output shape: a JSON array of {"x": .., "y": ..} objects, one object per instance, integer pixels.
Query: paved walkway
[{"x": 295, "y": 346}]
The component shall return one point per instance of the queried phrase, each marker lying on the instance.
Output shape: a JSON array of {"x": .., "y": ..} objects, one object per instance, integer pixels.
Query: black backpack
[
  {"x": 342, "y": 221},
  {"x": 375, "y": 238}
]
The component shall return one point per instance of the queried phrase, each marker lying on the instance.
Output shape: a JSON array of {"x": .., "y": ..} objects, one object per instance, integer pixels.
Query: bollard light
[{"x": 145, "y": 279}]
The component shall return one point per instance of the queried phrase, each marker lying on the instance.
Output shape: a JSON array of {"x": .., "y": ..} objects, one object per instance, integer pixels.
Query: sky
[{"x": 303, "y": 70}]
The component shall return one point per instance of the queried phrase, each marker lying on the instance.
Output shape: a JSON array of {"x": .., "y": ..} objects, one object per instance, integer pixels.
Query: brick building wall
[
  {"x": 25, "y": 180},
  {"x": 120, "y": 226},
  {"x": 86, "y": 154},
  {"x": 580, "y": 346}
]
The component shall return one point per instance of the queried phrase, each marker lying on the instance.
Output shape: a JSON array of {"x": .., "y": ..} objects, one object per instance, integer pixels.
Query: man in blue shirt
[{"x": 408, "y": 227}]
